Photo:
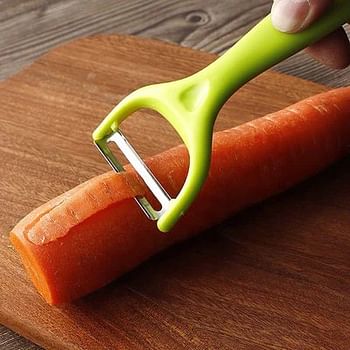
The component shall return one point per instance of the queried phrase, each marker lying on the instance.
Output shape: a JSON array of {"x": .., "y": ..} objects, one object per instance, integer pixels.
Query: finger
[
  {"x": 333, "y": 50},
  {"x": 294, "y": 15}
]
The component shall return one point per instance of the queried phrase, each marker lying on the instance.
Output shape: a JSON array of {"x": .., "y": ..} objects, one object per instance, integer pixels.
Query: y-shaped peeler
[{"x": 191, "y": 105}]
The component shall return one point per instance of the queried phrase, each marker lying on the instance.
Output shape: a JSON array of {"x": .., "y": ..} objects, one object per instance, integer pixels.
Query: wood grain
[
  {"x": 30, "y": 28},
  {"x": 9, "y": 340},
  {"x": 274, "y": 277}
]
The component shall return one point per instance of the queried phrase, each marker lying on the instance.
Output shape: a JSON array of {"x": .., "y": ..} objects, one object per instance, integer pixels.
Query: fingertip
[
  {"x": 291, "y": 16},
  {"x": 316, "y": 9},
  {"x": 288, "y": 15}
]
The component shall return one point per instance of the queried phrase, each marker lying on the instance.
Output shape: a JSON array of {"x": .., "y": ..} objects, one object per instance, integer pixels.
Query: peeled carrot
[{"x": 90, "y": 235}]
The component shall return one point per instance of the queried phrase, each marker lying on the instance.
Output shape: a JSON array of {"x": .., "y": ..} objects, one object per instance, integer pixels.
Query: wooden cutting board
[{"x": 277, "y": 276}]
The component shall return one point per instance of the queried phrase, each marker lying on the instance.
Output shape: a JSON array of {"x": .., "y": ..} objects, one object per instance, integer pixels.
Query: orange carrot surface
[{"x": 90, "y": 235}]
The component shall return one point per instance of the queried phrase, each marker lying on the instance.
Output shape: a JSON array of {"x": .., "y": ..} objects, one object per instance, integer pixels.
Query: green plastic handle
[
  {"x": 191, "y": 104},
  {"x": 263, "y": 47}
]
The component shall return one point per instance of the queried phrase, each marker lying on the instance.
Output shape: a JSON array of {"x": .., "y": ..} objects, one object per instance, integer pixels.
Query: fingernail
[{"x": 289, "y": 15}]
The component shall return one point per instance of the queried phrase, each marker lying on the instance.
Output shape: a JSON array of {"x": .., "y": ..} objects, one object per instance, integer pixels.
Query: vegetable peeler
[{"x": 191, "y": 105}]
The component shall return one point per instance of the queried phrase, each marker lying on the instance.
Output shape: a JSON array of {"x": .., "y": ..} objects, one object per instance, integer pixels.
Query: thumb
[{"x": 294, "y": 15}]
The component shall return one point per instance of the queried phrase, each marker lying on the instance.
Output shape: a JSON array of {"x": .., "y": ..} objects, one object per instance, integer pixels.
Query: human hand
[{"x": 295, "y": 15}]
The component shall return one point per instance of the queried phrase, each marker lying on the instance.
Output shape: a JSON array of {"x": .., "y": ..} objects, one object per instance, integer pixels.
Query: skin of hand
[{"x": 291, "y": 16}]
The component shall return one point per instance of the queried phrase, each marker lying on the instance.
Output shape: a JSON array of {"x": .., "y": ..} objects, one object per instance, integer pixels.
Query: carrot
[{"x": 94, "y": 233}]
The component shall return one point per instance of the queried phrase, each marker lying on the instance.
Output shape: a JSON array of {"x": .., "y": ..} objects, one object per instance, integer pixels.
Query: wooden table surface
[{"x": 30, "y": 28}]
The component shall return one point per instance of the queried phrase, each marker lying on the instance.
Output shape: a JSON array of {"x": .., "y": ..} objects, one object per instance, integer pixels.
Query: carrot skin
[{"x": 86, "y": 238}]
